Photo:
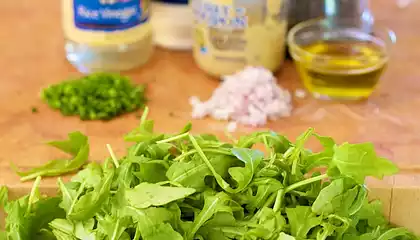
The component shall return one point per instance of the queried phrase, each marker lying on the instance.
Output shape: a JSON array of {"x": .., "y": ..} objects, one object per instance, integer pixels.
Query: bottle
[
  {"x": 107, "y": 35},
  {"x": 230, "y": 35},
  {"x": 354, "y": 13},
  {"x": 175, "y": 35},
  {"x": 302, "y": 10}
]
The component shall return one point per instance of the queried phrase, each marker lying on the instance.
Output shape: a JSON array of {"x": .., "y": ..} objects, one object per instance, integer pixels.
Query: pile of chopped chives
[{"x": 99, "y": 96}]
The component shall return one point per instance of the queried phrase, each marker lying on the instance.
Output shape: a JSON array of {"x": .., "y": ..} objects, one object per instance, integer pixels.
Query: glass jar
[
  {"x": 167, "y": 33},
  {"x": 107, "y": 35},
  {"x": 232, "y": 34}
]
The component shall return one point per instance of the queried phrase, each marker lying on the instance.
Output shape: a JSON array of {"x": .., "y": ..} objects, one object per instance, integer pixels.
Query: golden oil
[{"x": 345, "y": 69}]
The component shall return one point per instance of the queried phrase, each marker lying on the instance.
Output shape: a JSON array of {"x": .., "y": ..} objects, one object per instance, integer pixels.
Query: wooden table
[{"x": 32, "y": 56}]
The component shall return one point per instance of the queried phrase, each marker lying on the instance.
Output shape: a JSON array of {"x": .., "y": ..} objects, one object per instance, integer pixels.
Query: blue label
[{"x": 109, "y": 15}]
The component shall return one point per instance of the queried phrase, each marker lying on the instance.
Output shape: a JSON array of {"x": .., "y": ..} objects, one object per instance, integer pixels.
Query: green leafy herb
[
  {"x": 97, "y": 96},
  {"x": 28, "y": 217},
  {"x": 3, "y": 196},
  {"x": 77, "y": 146},
  {"x": 186, "y": 187},
  {"x": 360, "y": 160},
  {"x": 145, "y": 195}
]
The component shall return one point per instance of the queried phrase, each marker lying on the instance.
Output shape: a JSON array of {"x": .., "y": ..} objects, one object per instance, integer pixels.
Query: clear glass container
[
  {"x": 340, "y": 59},
  {"x": 228, "y": 36},
  {"x": 107, "y": 35}
]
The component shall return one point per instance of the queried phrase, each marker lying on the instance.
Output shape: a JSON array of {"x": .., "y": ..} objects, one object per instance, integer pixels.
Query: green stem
[
  {"x": 200, "y": 152},
  {"x": 79, "y": 192},
  {"x": 180, "y": 136},
  {"x": 33, "y": 175},
  {"x": 305, "y": 182},
  {"x": 184, "y": 155},
  {"x": 114, "y": 158},
  {"x": 267, "y": 203},
  {"x": 115, "y": 232},
  {"x": 137, "y": 234},
  {"x": 144, "y": 115},
  {"x": 32, "y": 195},
  {"x": 279, "y": 200}
]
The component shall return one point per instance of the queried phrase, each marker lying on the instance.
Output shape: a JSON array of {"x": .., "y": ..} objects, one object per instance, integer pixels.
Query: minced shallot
[{"x": 250, "y": 97}]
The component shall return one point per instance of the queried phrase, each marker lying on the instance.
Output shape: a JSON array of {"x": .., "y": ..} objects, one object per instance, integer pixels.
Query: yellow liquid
[{"x": 342, "y": 69}]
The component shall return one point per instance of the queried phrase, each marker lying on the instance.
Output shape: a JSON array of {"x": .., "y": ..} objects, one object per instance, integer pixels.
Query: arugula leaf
[
  {"x": 91, "y": 175},
  {"x": 222, "y": 225},
  {"x": 44, "y": 211},
  {"x": 294, "y": 154},
  {"x": 62, "y": 228},
  {"x": 126, "y": 176},
  {"x": 88, "y": 204},
  {"x": 279, "y": 143},
  {"x": 372, "y": 212},
  {"x": 358, "y": 161},
  {"x": 3, "y": 235},
  {"x": 68, "y": 196},
  {"x": 269, "y": 225},
  {"x": 323, "y": 158},
  {"x": 27, "y": 216},
  {"x": 144, "y": 132},
  {"x": 302, "y": 220},
  {"x": 243, "y": 176},
  {"x": 325, "y": 231},
  {"x": 284, "y": 236},
  {"x": 153, "y": 171},
  {"x": 84, "y": 230},
  {"x": 394, "y": 233},
  {"x": 163, "y": 231},
  {"x": 145, "y": 195},
  {"x": 17, "y": 225},
  {"x": 57, "y": 167},
  {"x": 153, "y": 222},
  {"x": 193, "y": 173},
  {"x": 114, "y": 227},
  {"x": 73, "y": 145},
  {"x": 3, "y": 196},
  {"x": 324, "y": 202},
  {"x": 265, "y": 187},
  {"x": 212, "y": 205}
]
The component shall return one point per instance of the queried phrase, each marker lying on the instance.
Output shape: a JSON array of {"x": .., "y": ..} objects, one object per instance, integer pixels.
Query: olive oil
[{"x": 342, "y": 69}]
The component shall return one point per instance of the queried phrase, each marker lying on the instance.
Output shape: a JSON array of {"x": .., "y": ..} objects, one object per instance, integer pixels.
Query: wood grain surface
[{"x": 32, "y": 56}]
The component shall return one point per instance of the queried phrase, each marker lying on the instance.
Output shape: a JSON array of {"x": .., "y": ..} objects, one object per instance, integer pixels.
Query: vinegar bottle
[{"x": 107, "y": 35}]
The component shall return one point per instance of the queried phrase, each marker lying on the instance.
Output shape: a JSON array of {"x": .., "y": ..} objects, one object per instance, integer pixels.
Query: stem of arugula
[
  {"x": 79, "y": 191},
  {"x": 180, "y": 136},
  {"x": 200, "y": 152},
  {"x": 186, "y": 154},
  {"x": 305, "y": 182},
  {"x": 31, "y": 176},
  {"x": 267, "y": 203},
  {"x": 114, "y": 158},
  {"x": 144, "y": 115},
  {"x": 32, "y": 195},
  {"x": 279, "y": 200}
]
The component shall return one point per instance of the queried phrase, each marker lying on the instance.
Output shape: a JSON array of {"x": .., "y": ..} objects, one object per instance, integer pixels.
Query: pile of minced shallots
[{"x": 250, "y": 97}]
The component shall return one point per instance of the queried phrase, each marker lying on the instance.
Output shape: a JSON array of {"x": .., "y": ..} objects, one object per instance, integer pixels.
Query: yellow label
[{"x": 230, "y": 34}]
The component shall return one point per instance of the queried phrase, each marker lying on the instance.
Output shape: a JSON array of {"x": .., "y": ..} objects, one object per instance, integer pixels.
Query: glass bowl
[{"x": 340, "y": 59}]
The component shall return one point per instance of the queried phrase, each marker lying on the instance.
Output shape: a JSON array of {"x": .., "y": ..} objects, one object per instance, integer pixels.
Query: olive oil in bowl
[
  {"x": 338, "y": 63},
  {"x": 346, "y": 69}
]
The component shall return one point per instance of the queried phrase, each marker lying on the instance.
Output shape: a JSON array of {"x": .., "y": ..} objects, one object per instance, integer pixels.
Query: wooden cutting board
[{"x": 32, "y": 57}]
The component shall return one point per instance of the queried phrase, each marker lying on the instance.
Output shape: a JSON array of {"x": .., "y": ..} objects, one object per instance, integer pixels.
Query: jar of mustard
[{"x": 232, "y": 34}]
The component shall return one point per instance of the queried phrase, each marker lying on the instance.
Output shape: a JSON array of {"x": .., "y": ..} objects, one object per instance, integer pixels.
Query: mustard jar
[{"x": 231, "y": 34}]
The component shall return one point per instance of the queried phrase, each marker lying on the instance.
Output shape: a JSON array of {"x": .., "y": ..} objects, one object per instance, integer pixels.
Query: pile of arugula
[{"x": 185, "y": 187}]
